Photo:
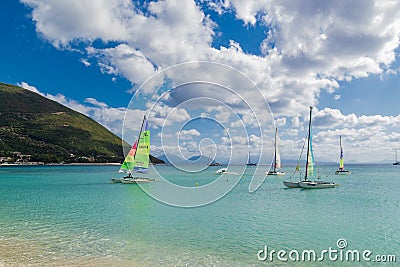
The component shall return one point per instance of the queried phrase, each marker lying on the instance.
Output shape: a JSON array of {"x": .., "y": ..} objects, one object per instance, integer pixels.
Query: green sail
[
  {"x": 139, "y": 156},
  {"x": 142, "y": 156}
]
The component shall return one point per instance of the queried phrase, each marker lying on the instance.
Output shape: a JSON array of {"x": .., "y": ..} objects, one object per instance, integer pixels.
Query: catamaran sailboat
[
  {"x": 396, "y": 162},
  {"x": 341, "y": 170},
  {"x": 310, "y": 168},
  {"x": 276, "y": 165},
  {"x": 213, "y": 162},
  {"x": 137, "y": 159},
  {"x": 249, "y": 163}
]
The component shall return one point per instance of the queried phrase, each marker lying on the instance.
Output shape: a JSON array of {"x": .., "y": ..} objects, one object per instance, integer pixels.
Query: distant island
[
  {"x": 196, "y": 160},
  {"x": 34, "y": 129}
]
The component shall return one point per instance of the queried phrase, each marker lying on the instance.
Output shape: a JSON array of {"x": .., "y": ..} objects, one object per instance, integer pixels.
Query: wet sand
[{"x": 17, "y": 252}]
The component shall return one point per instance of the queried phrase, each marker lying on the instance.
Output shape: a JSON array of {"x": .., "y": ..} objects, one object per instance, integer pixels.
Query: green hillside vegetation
[{"x": 50, "y": 132}]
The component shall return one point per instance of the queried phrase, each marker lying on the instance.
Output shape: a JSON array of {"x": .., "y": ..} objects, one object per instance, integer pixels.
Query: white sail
[
  {"x": 277, "y": 153},
  {"x": 276, "y": 164}
]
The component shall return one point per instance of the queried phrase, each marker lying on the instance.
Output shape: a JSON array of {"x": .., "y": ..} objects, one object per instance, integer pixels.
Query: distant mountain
[
  {"x": 50, "y": 132},
  {"x": 198, "y": 159},
  {"x": 194, "y": 158},
  {"x": 164, "y": 159},
  {"x": 155, "y": 160}
]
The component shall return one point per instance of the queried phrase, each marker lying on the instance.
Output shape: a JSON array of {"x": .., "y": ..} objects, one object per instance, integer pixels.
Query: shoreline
[
  {"x": 60, "y": 164},
  {"x": 28, "y": 252}
]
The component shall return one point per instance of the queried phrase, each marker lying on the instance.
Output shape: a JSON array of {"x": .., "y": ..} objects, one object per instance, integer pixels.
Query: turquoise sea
[{"x": 74, "y": 216}]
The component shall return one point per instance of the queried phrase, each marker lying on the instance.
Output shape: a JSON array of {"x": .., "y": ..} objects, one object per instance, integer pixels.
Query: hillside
[{"x": 50, "y": 132}]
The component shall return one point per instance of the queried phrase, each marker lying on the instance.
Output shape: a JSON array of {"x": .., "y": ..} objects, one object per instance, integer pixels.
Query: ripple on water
[{"x": 79, "y": 219}]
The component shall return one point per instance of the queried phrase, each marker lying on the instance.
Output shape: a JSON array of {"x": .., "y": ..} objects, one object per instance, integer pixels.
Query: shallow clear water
[{"x": 73, "y": 215}]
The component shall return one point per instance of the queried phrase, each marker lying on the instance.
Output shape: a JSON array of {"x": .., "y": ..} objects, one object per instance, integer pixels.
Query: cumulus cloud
[
  {"x": 63, "y": 22},
  {"x": 362, "y": 135},
  {"x": 95, "y": 102},
  {"x": 162, "y": 116},
  {"x": 124, "y": 60},
  {"x": 309, "y": 46},
  {"x": 85, "y": 62},
  {"x": 361, "y": 144},
  {"x": 188, "y": 134},
  {"x": 332, "y": 118},
  {"x": 26, "y": 86},
  {"x": 366, "y": 138}
]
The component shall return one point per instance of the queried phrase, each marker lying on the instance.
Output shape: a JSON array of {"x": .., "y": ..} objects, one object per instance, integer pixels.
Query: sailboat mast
[
  {"x": 212, "y": 155},
  {"x": 308, "y": 143},
  {"x": 141, "y": 130},
  {"x": 276, "y": 133},
  {"x": 341, "y": 166}
]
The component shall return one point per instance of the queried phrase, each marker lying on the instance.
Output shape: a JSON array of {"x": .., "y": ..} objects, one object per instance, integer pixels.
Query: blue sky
[{"x": 341, "y": 58}]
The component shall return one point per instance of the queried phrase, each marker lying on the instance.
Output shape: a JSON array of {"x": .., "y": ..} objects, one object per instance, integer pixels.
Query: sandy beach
[{"x": 18, "y": 252}]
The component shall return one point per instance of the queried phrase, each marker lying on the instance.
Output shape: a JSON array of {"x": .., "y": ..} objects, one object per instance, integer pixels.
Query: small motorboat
[{"x": 221, "y": 171}]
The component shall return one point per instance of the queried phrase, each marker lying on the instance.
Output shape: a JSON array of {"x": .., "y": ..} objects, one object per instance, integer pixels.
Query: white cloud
[
  {"x": 85, "y": 62},
  {"x": 315, "y": 44},
  {"x": 161, "y": 116},
  {"x": 234, "y": 140},
  {"x": 330, "y": 38},
  {"x": 95, "y": 102},
  {"x": 124, "y": 60},
  {"x": 245, "y": 10},
  {"x": 188, "y": 134},
  {"x": 360, "y": 145},
  {"x": 280, "y": 122},
  {"x": 365, "y": 138},
  {"x": 309, "y": 46},
  {"x": 29, "y": 87},
  {"x": 379, "y": 120},
  {"x": 332, "y": 118},
  {"x": 63, "y": 22}
]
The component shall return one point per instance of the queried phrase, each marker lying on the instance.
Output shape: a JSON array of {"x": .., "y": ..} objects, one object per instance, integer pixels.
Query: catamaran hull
[
  {"x": 276, "y": 173},
  {"x": 137, "y": 180},
  {"x": 342, "y": 172},
  {"x": 316, "y": 184},
  {"x": 132, "y": 180},
  {"x": 292, "y": 184}
]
